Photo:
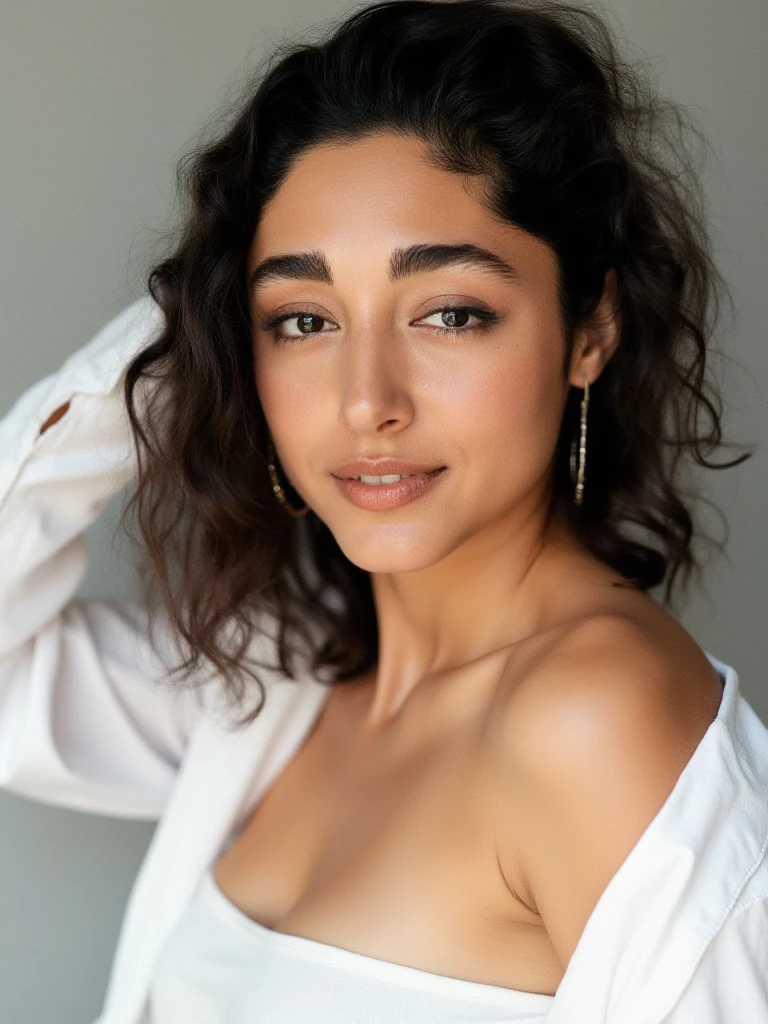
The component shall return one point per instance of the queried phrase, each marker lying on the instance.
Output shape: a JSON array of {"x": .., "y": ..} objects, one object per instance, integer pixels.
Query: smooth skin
[{"x": 461, "y": 807}]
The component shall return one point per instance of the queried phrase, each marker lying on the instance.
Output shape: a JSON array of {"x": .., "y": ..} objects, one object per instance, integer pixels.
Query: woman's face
[{"x": 363, "y": 368}]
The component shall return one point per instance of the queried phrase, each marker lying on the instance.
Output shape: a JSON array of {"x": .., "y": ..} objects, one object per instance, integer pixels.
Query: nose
[{"x": 375, "y": 396}]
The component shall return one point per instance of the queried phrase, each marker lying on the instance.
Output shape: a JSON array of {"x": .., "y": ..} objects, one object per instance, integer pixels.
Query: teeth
[{"x": 391, "y": 478}]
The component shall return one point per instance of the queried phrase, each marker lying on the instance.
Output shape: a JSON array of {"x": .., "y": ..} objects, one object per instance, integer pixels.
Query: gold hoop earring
[
  {"x": 577, "y": 475},
  {"x": 279, "y": 492}
]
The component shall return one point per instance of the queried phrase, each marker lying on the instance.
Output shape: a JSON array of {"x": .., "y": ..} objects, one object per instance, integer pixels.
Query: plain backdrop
[{"x": 99, "y": 100}]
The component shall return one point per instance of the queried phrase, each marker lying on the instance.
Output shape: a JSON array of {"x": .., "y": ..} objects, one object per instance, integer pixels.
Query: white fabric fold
[{"x": 680, "y": 934}]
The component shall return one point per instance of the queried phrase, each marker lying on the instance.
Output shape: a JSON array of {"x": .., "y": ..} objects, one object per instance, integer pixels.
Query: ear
[{"x": 595, "y": 343}]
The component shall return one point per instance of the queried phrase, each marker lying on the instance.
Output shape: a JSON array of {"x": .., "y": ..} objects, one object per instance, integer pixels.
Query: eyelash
[{"x": 486, "y": 317}]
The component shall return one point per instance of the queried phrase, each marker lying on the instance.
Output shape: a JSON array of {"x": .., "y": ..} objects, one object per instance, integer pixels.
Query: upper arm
[
  {"x": 591, "y": 753},
  {"x": 89, "y": 718},
  {"x": 85, "y": 718}
]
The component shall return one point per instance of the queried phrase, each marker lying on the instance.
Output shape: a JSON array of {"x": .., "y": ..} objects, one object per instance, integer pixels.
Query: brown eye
[
  {"x": 454, "y": 319},
  {"x": 305, "y": 322}
]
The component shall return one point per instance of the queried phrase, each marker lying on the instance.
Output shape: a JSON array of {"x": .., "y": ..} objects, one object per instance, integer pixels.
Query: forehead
[{"x": 376, "y": 193}]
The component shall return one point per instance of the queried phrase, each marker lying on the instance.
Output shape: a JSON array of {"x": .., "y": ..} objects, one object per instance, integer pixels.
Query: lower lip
[{"x": 379, "y": 497}]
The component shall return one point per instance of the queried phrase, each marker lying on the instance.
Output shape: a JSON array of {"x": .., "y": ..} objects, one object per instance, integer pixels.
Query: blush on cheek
[{"x": 521, "y": 417}]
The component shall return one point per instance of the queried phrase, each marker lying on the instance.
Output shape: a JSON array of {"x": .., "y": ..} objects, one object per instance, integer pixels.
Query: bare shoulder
[
  {"x": 611, "y": 672},
  {"x": 589, "y": 746}
]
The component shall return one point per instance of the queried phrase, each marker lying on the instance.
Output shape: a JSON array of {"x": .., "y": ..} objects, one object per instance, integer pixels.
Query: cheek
[
  {"x": 292, "y": 404},
  {"x": 286, "y": 395},
  {"x": 514, "y": 412}
]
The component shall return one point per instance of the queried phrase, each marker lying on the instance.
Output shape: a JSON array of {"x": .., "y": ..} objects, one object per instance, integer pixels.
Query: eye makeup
[{"x": 486, "y": 317}]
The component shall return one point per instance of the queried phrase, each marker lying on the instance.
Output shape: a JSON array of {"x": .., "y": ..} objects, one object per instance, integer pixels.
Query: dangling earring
[
  {"x": 577, "y": 476},
  {"x": 279, "y": 492}
]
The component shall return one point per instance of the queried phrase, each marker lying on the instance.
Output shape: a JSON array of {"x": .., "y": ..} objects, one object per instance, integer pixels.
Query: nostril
[{"x": 54, "y": 417}]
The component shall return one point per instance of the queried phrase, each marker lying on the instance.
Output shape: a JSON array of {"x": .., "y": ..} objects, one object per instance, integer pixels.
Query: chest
[{"x": 389, "y": 848}]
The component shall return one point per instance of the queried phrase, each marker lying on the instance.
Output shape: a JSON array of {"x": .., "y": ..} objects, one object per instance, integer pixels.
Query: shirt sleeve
[
  {"x": 84, "y": 720},
  {"x": 730, "y": 983}
]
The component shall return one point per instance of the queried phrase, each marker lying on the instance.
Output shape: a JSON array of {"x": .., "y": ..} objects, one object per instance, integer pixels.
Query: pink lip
[
  {"x": 382, "y": 466},
  {"x": 378, "y": 498}
]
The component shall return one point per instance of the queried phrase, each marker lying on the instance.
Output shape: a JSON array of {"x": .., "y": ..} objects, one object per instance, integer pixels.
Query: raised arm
[{"x": 84, "y": 721}]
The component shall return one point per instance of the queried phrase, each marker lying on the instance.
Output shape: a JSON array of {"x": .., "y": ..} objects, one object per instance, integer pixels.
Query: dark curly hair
[{"x": 571, "y": 144}]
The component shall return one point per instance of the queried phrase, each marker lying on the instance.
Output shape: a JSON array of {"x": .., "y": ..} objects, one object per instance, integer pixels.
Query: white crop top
[{"x": 219, "y": 966}]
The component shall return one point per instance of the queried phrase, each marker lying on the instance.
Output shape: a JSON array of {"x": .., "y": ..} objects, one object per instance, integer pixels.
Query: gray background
[{"x": 99, "y": 99}]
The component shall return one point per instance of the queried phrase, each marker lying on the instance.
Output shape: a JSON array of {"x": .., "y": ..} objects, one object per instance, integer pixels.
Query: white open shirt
[{"x": 679, "y": 935}]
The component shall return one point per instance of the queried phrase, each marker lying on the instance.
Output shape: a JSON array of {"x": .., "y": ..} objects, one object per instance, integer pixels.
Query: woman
[{"x": 430, "y": 344}]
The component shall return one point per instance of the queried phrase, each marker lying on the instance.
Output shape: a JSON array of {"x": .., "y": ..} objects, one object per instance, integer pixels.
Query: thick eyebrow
[{"x": 416, "y": 259}]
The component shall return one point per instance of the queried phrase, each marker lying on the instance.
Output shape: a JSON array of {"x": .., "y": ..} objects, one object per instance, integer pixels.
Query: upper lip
[{"x": 382, "y": 466}]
